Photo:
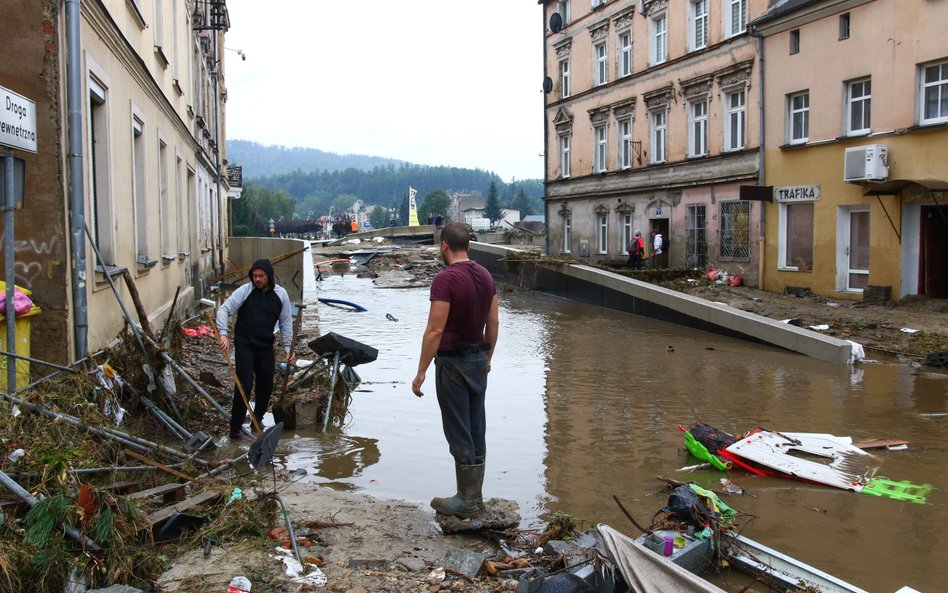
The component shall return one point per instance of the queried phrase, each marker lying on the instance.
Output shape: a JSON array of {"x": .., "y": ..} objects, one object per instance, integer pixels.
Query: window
[
  {"x": 934, "y": 93},
  {"x": 625, "y": 54},
  {"x": 795, "y": 41},
  {"x": 596, "y": 3},
  {"x": 625, "y": 143},
  {"x": 798, "y": 117},
  {"x": 696, "y": 247},
  {"x": 602, "y": 233},
  {"x": 659, "y": 127},
  {"x": 180, "y": 205},
  {"x": 659, "y": 39},
  {"x": 735, "y": 17},
  {"x": 858, "y": 103},
  {"x": 138, "y": 191},
  {"x": 564, "y": 78},
  {"x": 567, "y": 233},
  {"x": 164, "y": 203},
  {"x": 564, "y": 156},
  {"x": 698, "y": 128},
  {"x": 735, "y": 229},
  {"x": 602, "y": 64},
  {"x": 796, "y": 236},
  {"x": 698, "y": 21},
  {"x": 626, "y": 233},
  {"x": 844, "y": 26},
  {"x": 735, "y": 104},
  {"x": 563, "y": 8},
  {"x": 599, "y": 164},
  {"x": 100, "y": 181}
]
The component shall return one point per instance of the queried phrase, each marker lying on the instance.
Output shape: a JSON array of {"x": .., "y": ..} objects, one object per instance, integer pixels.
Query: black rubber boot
[{"x": 468, "y": 502}]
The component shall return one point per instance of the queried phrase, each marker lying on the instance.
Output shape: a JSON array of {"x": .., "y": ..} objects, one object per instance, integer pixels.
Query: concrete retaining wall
[{"x": 607, "y": 289}]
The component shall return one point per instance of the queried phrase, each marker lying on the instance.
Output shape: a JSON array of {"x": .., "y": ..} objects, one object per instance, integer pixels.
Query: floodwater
[{"x": 583, "y": 404}]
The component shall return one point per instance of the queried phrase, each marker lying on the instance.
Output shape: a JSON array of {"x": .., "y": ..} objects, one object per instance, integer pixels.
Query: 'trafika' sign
[
  {"x": 17, "y": 121},
  {"x": 797, "y": 193}
]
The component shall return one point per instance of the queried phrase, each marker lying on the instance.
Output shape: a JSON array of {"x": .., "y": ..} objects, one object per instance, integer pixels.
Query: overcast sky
[{"x": 432, "y": 82}]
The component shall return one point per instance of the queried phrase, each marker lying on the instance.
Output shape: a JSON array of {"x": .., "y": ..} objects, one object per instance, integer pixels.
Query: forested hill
[
  {"x": 258, "y": 160},
  {"x": 385, "y": 182}
]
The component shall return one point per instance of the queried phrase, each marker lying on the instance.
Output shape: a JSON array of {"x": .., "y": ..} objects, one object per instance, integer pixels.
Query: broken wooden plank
[
  {"x": 123, "y": 487},
  {"x": 162, "y": 514},
  {"x": 156, "y": 491},
  {"x": 154, "y": 463}
]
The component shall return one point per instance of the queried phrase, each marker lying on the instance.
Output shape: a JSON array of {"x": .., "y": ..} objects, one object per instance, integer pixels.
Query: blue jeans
[{"x": 461, "y": 383}]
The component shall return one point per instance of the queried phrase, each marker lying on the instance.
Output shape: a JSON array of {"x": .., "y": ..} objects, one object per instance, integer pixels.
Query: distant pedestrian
[
  {"x": 636, "y": 251},
  {"x": 460, "y": 336},
  {"x": 658, "y": 244}
]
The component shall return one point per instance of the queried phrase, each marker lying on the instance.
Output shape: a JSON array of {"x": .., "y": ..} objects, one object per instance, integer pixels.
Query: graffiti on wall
[{"x": 33, "y": 257}]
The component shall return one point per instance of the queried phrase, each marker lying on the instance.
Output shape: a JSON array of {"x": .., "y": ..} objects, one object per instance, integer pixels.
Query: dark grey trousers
[
  {"x": 255, "y": 368},
  {"x": 461, "y": 383}
]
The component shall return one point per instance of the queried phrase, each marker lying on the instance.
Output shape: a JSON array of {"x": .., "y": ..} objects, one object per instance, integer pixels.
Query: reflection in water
[{"x": 583, "y": 404}]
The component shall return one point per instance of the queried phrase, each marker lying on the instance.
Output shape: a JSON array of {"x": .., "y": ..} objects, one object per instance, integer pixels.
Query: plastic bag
[{"x": 22, "y": 304}]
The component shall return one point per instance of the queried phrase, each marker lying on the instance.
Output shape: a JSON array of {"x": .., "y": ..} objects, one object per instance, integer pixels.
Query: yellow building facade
[{"x": 855, "y": 135}]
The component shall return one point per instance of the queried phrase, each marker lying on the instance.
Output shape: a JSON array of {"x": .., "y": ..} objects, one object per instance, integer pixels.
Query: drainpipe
[
  {"x": 546, "y": 139},
  {"x": 217, "y": 153},
  {"x": 761, "y": 150},
  {"x": 77, "y": 208}
]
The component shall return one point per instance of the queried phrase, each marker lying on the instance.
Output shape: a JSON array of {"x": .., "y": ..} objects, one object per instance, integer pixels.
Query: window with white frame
[
  {"x": 858, "y": 106},
  {"x": 563, "y": 8},
  {"x": 659, "y": 127},
  {"x": 180, "y": 203},
  {"x": 698, "y": 127},
  {"x": 602, "y": 233},
  {"x": 567, "y": 233},
  {"x": 698, "y": 25},
  {"x": 564, "y": 78},
  {"x": 625, "y": 143},
  {"x": 798, "y": 117},
  {"x": 626, "y": 232},
  {"x": 164, "y": 203},
  {"x": 564, "y": 155},
  {"x": 625, "y": 53},
  {"x": 735, "y": 17},
  {"x": 596, "y": 3},
  {"x": 736, "y": 108},
  {"x": 933, "y": 93},
  {"x": 659, "y": 39},
  {"x": 796, "y": 236},
  {"x": 599, "y": 162},
  {"x": 138, "y": 191},
  {"x": 100, "y": 177},
  {"x": 602, "y": 64}
]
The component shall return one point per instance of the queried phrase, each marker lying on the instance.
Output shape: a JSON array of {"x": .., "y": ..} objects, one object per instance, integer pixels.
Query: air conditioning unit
[{"x": 866, "y": 163}]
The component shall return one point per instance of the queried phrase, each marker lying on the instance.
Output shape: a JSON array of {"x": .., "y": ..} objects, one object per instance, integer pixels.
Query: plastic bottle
[
  {"x": 669, "y": 545},
  {"x": 239, "y": 585}
]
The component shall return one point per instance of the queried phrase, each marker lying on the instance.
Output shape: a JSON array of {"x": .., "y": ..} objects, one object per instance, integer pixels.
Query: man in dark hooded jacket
[{"x": 258, "y": 306}]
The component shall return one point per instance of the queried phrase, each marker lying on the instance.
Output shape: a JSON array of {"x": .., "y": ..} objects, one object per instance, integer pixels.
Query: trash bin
[{"x": 22, "y": 340}]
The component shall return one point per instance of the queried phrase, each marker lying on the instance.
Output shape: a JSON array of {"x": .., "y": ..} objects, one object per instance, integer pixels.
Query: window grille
[{"x": 735, "y": 229}]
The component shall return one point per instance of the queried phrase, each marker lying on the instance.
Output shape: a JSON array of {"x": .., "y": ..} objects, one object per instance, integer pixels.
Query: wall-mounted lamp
[{"x": 239, "y": 52}]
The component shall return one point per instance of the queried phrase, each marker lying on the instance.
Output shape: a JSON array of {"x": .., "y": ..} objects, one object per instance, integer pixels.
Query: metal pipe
[
  {"x": 289, "y": 526},
  {"x": 192, "y": 382},
  {"x": 332, "y": 389},
  {"x": 31, "y": 500},
  {"x": 10, "y": 263},
  {"x": 164, "y": 418},
  {"x": 114, "y": 469},
  {"x": 77, "y": 201},
  {"x": 40, "y": 362}
]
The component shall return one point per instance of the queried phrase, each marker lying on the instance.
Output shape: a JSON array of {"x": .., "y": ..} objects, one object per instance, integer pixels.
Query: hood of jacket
[{"x": 266, "y": 266}]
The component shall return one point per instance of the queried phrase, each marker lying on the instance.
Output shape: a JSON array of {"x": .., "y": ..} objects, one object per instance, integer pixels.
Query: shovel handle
[
  {"x": 233, "y": 374},
  {"x": 296, "y": 329}
]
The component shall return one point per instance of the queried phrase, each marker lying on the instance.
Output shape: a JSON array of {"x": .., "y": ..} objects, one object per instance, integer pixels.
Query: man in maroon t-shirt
[{"x": 460, "y": 337}]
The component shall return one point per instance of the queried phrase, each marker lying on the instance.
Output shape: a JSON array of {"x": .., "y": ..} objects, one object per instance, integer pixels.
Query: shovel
[{"x": 280, "y": 411}]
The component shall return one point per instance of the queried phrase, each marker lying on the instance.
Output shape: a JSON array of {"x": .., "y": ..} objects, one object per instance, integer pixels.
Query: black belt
[{"x": 464, "y": 351}]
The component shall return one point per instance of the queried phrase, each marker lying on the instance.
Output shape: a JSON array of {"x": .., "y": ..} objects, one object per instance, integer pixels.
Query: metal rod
[
  {"x": 31, "y": 500},
  {"x": 75, "y": 76},
  {"x": 332, "y": 389},
  {"x": 164, "y": 418},
  {"x": 289, "y": 526},
  {"x": 42, "y": 362},
  {"x": 10, "y": 263}
]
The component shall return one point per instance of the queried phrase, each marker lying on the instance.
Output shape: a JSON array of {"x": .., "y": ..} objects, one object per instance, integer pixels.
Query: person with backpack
[{"x": 636, "y": 251}]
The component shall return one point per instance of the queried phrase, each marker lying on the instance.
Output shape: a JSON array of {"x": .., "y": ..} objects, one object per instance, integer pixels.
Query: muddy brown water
[{"x": 583, "y": 404}]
